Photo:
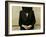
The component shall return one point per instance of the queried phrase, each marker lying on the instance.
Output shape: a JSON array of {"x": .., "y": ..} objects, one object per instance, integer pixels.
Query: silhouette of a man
[{"x": 26, "y": 18}]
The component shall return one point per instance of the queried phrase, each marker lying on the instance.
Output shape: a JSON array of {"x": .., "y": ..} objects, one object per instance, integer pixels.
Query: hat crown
[{"x": 27, "y": 8}]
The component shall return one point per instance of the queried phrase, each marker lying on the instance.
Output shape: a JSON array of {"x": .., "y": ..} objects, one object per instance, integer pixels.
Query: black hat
[{"x": 27, "y": 8}]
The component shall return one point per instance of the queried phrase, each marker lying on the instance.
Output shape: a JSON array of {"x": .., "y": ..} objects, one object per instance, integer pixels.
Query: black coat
[{"x": 30, "y": 20}]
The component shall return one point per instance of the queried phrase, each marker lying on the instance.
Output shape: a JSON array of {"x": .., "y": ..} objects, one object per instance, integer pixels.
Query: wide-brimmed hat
[{"x": 27, "y": 8}]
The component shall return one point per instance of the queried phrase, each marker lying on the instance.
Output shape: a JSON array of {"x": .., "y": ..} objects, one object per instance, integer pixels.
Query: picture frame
[{"x": 8, "y": 15}]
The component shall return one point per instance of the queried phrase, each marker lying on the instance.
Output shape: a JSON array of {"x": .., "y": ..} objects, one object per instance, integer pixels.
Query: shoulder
[{"x": 21, "y": 12}]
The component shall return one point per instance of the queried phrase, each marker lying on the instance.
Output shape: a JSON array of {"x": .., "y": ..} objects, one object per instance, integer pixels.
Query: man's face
[{"x": 26, "y": 14}]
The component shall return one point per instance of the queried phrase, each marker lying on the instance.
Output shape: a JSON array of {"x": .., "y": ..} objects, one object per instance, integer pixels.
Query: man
[{"x": 26, "y": 18}]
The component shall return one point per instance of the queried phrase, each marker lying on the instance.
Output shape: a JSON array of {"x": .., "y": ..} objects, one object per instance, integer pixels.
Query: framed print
[{"x": 24, "y": 18}]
